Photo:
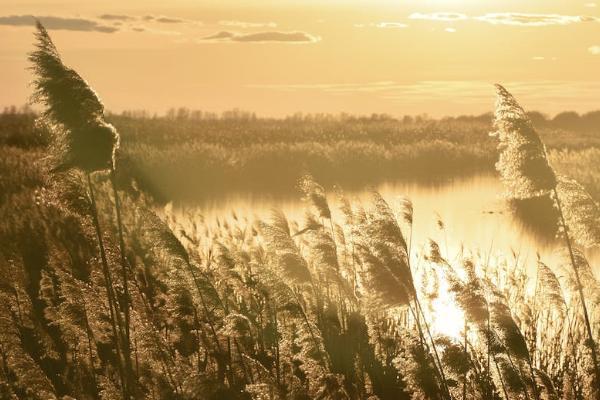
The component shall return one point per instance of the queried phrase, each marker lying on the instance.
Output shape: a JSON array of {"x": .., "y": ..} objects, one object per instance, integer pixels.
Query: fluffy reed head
[
  {"x": 72, "y": 107},
  {"x": 581, "y": 212},
  {"x": 315, "y": 194},
  {"x": 523, "y": 164},
  {"x": 383, "y": 255}
]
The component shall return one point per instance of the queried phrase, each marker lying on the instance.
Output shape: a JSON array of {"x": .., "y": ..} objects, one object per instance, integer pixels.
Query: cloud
[
  {"x": 115, "y": 17},
  {"x": 439, "y": 16},
  {"x": 220, "y": 35},
  {"x": 262, "y": 37},
  {"x": 590, "y": 5},
  {"x": 476, "y": 95},
  {"x": 244, "y": 25},
  {"x": 450, "y": 30},
  {"x": 523, "y": 19},
  {"x": 594, "y": 50},
  {"x": 155, "y": 31},
  {"x": 385, "y": 25},
  {"x": 59, "y": 23},
  {"x": 169, "y": 20},
  {"x": 331, "y": 87},
  {"x": 506, "y": 18}
]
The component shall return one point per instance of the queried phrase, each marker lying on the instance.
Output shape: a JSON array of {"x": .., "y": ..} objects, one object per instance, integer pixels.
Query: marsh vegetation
[{"x": 105, "y": 293}]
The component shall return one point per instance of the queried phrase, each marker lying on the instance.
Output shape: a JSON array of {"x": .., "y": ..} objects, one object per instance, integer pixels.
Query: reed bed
[
  {"x": 220, "y": 155},
  {"x": 276, "y": 309}
]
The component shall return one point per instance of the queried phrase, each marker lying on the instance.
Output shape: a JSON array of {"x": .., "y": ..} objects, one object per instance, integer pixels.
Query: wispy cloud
[
  {"x": 245, "y": 25},
  {"x": 169, "y": 20},
  {"x": 523, "y": 19},
  {"x": 220, "y": 35},
  {"x": 439, "y": 16},
  {"x": 116, "y": 17},
  {"x": 329, "y": 87},
  {"x": 107, "y": 23},
  {"x": 385, "y": 25},
  {"x": 262, "y": 37},
  {"x": 551, "y": 96},
  {"x": 147, "y": 29},
  {"x": 161, "y": 19},
  {"x": 61, "y": 23},
  {"x": 506, "y": 18}
]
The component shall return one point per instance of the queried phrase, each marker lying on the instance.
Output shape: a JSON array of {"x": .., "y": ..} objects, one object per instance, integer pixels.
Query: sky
[{"x": 279, "y": 57}]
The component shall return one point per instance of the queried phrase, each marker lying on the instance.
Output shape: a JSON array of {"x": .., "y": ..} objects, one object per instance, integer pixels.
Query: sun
[{"x": 447, "y": 318}]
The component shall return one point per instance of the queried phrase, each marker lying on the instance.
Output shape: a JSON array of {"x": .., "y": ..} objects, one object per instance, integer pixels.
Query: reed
[{"x": 525, "y": 170}]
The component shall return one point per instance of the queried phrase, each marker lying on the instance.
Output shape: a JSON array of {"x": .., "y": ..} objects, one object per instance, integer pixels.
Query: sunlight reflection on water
[
  {"x": 476, "y": 217},
  {"x": 473, "y": 210}
]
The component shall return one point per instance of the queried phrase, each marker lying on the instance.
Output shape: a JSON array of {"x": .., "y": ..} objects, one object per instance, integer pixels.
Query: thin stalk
[
  {"x": 588, "y": 325},
  {"x": 464, "y": 395},
  {"x": 114, "y": 312},
  {"x": 425, "y": 348},
  {"x": 89, "y": 334},
  {"x": 533, "y": 381},
  {"x": 512, "y": 364},
  {"x": 247, "y": 373},
  {"x": 501, "y": 380},
  {"x": 435, "y": 352},
  {"x": 419, "y": 310},
  {"x": 126, "y": 296}
]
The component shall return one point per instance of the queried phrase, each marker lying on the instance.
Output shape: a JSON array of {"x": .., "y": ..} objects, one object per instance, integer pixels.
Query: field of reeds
[
  {"x": 101, "y": 297},
  {"x": 189, "y": 156}
]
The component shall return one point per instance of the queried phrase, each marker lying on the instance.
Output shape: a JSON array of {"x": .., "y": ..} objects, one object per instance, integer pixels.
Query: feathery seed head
[
  {"x": 523, "y": 164},
  {"x": 86, "y": 140}
]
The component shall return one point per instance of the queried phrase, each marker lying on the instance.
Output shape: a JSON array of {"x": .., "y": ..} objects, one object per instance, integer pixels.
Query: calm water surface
[{"x": 472, "y": 209}]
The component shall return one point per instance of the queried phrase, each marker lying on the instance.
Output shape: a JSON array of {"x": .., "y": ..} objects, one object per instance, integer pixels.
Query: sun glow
[
  {"x": 445, "y": 316},
  {"x": 448, "y": 318}
]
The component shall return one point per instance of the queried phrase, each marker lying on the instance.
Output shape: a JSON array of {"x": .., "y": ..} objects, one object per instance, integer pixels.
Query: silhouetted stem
[
  {"x": 114, "y": 312},
  {"x": 435, "y": 352},
  {"x": 126, "y": 295},
  {"x": 580, "y": 290}
]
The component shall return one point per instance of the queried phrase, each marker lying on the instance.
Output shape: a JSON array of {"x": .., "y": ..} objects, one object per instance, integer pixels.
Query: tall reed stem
[
  {"x": 435, "y": 352},
  {"x": 586, "y": 317},
  {"x": 466, "y": 349},
  {"x": 419, "y": 311},
  {"x": 124, "y": 267},
  {"x": 114, "y": 312}
]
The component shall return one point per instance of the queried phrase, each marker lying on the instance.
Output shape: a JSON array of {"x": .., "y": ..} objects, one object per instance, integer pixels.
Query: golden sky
[{"x": 278, "y": 57}]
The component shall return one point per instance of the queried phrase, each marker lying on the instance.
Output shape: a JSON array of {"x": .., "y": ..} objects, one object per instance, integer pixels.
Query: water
[
  {"x": 475, "y": 215},
  {"x": 476, "y": 218}
]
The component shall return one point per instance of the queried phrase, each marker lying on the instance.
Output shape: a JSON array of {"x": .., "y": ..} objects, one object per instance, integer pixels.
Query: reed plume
[
  {"x": 73, "y": 108},
  {"x": 523, "y": 163},
  {"x": 524, "y": 169},
  {"x": 550, "y": 289},
  {"x": 382, "y": 251},
  {"x": 315, "y": 194},
  {"x": 581, "y": 212}
]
